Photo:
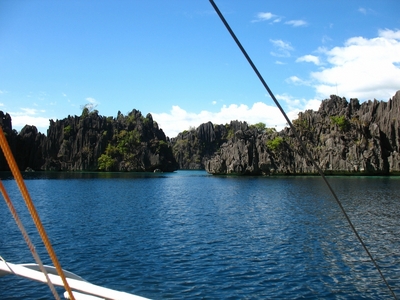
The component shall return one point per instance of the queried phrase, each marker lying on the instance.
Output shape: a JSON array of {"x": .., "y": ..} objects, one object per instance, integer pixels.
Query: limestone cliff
[
  {"x": 92, "y": 142},
  {"x": 192, "y": 148},
  {"x": 343, "y": 138}
]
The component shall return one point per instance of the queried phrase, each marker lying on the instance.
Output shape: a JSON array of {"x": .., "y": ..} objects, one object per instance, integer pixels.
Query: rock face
[
  {"x": 93, "y": 142},
  {"x": 25, "y": 146},
  {"x": 342, "y": 137},
  {"x": 192, "y": 148}
]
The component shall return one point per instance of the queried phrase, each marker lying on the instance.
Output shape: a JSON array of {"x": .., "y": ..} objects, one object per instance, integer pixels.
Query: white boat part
[{"x": 82, "y": 289}]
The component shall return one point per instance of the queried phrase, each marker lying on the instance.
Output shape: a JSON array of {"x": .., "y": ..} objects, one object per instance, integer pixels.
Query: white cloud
[
  {"x": 296, "y": 80},
  {"x": 389, "y": 34},
  {"x": 266, "y": 16},
  {"x": 363, "y": 68},
  {"x": 1, "y": 104},
  {"x": 29, "y": 116},
  {"x": 294, "y": 105},
  {"x": 309, "y": 58},
  {"x": 19, "y": 121},
  {"x": 283, "y": 48},
  {"x": 281, "y": 44},
  {"x": 28, "y": 111},
  {"x": 179, "y": 119},
  {"x": 296, "y": 23}
]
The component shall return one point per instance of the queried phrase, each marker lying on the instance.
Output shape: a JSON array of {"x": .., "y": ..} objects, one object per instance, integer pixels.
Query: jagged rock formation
[
  {"x": 192, "y": 148},
  {"x": 26, "y": 146},
  {"x": 342, "y": 137},
  {"x": 93, "y": 142}
]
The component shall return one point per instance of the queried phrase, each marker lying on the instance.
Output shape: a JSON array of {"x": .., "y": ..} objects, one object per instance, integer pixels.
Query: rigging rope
[
  {"x": 321, "y": 173},
  {"x": 29, "y": 203},
  {"x": 27, "y": 239}
]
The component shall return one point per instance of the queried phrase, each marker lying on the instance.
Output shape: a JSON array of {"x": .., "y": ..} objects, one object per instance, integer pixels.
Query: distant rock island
[
  {"x": 91, "y": 142},
  {"x": 344, "y": 138}
]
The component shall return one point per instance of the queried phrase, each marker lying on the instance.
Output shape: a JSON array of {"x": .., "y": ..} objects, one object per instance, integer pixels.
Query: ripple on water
[{"x": 189, "y": 236}]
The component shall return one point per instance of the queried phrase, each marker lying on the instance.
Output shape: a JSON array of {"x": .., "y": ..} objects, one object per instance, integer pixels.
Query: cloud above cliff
[
  {"x": 362, "y": 68},
  {"x": 179, "y": 119},
  {"x": 29, "y": 116}
]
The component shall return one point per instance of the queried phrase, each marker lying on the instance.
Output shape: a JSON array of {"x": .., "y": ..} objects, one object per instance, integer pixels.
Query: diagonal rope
[
  {"x": 27, "y": 239},
  {"x": 29, "y": 203},
  {"x": 321, "y": 173}
]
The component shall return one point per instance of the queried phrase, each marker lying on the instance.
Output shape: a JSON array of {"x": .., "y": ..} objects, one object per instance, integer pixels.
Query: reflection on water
[{"x": 189, "y": 235}]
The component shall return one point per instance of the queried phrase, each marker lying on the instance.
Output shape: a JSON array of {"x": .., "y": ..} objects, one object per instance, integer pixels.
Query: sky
[{"x": 176, "y": 60}]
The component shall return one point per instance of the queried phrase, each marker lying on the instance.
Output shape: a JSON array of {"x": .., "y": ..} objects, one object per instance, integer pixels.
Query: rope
[
  {"x": 27, "y": 239},
  {"x": 28, "y": 201},
  {"x": 321, "y": 173}
]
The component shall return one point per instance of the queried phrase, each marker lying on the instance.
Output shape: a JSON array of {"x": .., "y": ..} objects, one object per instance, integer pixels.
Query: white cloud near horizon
[
  {"x": 178, "y": 119},
  {"x": 29, "y": 116},
  {"x": 362, "y": 68},
  {"x": 41, "y": 123}
]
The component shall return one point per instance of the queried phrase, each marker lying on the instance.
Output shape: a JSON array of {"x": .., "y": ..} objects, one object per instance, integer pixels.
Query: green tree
[
  {"x": 341, "y": 122},
  {"x": 106, "y": 162},
  {"x": 67, "y": 131},
  {"x": 275, "y": 143},
  {"x": 259, "y": 126}
]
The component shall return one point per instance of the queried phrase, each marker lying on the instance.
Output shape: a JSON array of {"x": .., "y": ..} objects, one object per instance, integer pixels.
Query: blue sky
[{"x": 175, "y": 59}]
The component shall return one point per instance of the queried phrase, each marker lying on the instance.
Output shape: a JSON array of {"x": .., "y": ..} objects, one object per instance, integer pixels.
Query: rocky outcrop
[
  {"x": 92, "y": 142},
  {"x": 194, "y": 147},
  {"x": 11, "y": 136},
  {"x": 127, "y": 143},
  {"x": 342, "y": 137},
  {"x": 29, "y": 148}
]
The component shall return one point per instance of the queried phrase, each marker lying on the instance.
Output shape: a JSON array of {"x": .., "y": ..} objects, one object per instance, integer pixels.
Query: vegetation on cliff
[
  {"x": 343, "y": 138},
  {"x": 91, "y": 142}
]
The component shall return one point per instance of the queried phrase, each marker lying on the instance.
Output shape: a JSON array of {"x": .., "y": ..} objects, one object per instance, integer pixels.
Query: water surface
[{"x": 190, "y": 235}]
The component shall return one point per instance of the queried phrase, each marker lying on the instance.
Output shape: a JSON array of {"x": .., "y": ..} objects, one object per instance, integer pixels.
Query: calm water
[{"x": 190, "y": 235}]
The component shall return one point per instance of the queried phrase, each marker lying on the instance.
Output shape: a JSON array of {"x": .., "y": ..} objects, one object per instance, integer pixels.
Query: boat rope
[
  {"x": 29, "y": 203},
  {"x": 321, "y": 173},
  {"x": 27, "y": 239}
]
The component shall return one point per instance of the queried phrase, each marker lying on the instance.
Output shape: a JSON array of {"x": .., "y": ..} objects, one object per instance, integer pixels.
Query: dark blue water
[{"x": 190, "y": 235}]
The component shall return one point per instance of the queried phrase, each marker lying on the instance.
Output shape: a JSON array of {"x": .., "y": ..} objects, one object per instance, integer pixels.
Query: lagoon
[{"x": 191, "y": 235}]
